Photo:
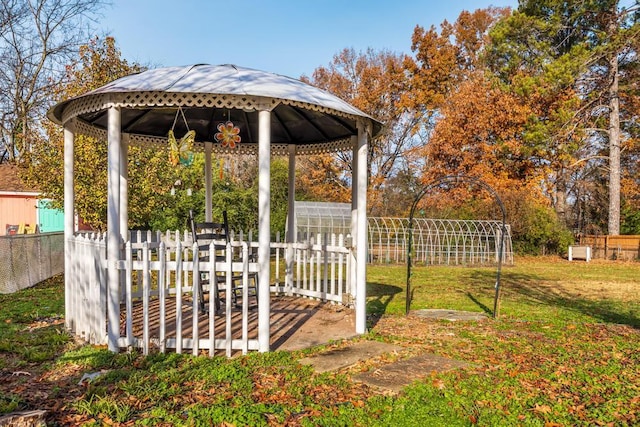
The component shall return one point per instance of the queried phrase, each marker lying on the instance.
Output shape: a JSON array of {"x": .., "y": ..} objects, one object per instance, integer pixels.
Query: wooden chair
[
  {"x": 205, "y": 233},
  {"x": 252, "y": 286}
]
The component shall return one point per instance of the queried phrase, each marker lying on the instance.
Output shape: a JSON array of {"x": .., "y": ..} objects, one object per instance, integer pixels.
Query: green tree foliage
[
  {"x": 575, "y": 63},
  {"x": 234, "y": 190},
  {"x": 150, "y": 174}
]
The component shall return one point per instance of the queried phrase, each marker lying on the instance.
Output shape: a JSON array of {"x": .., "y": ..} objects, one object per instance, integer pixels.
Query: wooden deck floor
[{"x": 296, "y": 322}]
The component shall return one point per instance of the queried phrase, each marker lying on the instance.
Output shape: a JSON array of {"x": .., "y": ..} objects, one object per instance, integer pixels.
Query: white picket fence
[
  {"x": 319, "y": 270},
  {"x": 159, "y": 278},
  {"x": 86, "y": 288}
]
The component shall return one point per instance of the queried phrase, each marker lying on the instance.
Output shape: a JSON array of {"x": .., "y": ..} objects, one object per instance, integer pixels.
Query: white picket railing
[
  {"x": 319, "y": 269},
  {"x": 86, "y": 288},
  {"x": 171, "y": 275},
  {"x": 159, "y": 277}
]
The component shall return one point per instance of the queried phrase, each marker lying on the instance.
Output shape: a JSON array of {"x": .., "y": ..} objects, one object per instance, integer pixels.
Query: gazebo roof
[{"x": 312, "y": 119}]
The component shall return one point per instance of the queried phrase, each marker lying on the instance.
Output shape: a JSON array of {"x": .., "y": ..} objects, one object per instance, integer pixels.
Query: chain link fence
[{"x": 29, "y": 259}]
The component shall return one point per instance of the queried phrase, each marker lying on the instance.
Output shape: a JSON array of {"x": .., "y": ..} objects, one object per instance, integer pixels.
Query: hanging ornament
[
  {"x": 180, "y": 150},
  {"x": 228, "y": 135}
]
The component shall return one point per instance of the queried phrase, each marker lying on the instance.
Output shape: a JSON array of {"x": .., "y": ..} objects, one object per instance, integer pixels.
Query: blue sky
[{"x": 290, "y": 37}]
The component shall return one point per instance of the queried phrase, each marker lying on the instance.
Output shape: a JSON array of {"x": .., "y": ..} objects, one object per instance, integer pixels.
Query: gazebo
[{"x": 275, "y": 115}]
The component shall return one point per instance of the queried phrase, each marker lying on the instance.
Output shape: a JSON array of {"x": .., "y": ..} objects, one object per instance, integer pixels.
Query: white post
[
  {"x": 124, "y": 189},
  {"x": 208, "y": 197},
  {"x": 113, "y": 227},
  {"x": 123, "y": 202},
  {"x": 361, "y": 244},
  {"x": 68, "y": 220},
  {"x": 264, "y": 222},
  {"x": 352, "y": 279},
  {"x": 291, "y": 225}
]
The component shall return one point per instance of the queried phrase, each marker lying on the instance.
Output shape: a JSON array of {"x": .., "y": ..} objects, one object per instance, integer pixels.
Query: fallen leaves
[
  {"x": 541, "y": 409},
  {"x": 560, "y": 373},
  {"x": 45, "y": 322}
]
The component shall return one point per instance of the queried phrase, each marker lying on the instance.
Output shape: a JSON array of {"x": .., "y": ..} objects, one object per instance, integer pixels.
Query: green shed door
[{"x": 50, "y": 220}]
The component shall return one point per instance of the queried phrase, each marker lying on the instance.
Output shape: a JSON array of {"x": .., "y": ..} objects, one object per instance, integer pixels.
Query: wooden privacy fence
[
  {"x": 625, "y": 247},
  {"x": 159, "y": 285}
]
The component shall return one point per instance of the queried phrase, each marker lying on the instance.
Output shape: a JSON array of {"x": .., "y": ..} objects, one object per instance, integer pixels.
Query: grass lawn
[{"x": 564, "y": 352}]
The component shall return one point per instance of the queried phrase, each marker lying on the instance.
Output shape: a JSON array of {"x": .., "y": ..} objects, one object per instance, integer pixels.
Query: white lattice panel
[
  {"x": 103, "y": 101},
  {"x": 241, "y": 148}
]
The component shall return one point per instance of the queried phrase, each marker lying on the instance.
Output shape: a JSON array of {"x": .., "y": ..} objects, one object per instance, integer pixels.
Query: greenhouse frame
[{"x": 435, "y": 241}]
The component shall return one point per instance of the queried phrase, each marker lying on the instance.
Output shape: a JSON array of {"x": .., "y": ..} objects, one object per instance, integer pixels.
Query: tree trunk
[
  {"x": 561, "y": 195},
  {"x": 614, "y": 143}
]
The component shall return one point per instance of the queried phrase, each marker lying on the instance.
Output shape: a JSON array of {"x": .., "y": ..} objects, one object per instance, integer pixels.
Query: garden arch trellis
[
  {"x": 275, "y": 115},
  {"x": 457, "y": 179}
]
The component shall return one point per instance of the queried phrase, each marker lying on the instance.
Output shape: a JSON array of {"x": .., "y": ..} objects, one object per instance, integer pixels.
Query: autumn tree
[
  {"x": 476, "y": 126},
  {"x": 150, "y": 174},
  {"x": 37, "y": 38},
  {"x": 478, "y": 131},
  {"x": 374, "y": 82},
  {"x": 480, "y": 135},
  {"x": 444, "y": 61},
  {"x": 444, "y": 58},
  {"x": 574, "y": 61}
]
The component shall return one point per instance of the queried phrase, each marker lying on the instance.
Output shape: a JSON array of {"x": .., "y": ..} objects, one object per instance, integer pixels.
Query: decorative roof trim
[
  {"x": 85, "y": 128},
  {"x": 133, "y": 100}
]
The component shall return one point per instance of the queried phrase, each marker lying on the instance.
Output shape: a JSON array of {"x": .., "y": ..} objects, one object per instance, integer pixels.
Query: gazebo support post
[
  {"x": 353, "y": 279},
  {"x": 123, "y": 200},
  {"x": 69, "y": 197},
  {"x": 291, "y": 225},
  {"x": 264, "y": 228},
  {"x": 361, "y": 244},
  {"x": 113, "y": 228},
  {"x": 208, "y": 197}
]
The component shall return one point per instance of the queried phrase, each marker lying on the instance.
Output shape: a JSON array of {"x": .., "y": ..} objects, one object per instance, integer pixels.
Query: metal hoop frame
[{"x": 457, "y": 179}]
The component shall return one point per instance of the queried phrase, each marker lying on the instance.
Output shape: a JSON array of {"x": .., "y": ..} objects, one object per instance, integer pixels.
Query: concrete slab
[
  {"x": 348, "y": 356},
  {"x": 451, "y": 315},
  {"x": 397, "y": 375},
  {"x": 310, "y": 323}
]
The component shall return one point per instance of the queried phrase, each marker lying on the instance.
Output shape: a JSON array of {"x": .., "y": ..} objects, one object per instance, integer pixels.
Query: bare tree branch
[{"x": 37, "y": 39}]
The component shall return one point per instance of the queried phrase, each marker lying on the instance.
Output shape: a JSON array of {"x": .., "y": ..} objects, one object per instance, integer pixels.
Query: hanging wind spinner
[
  {"x": 180, "y": 150},
  {"x": 228, "y": 135}
]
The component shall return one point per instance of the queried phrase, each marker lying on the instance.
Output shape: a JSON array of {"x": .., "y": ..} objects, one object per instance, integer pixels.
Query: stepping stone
[
  {"x": 24, "y": 419},
  {"x": 397, "y": 375},
  {"x": 333, "y": 360}
]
